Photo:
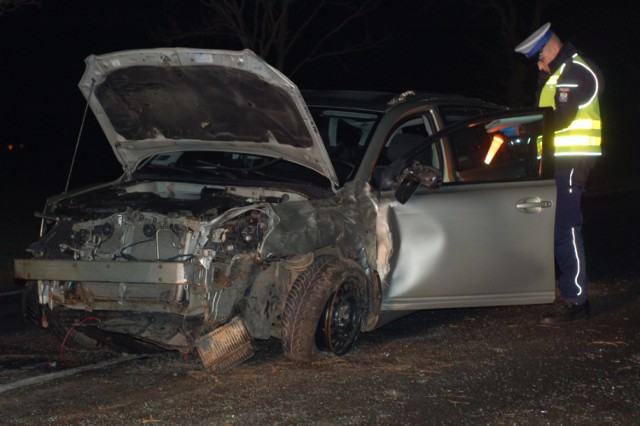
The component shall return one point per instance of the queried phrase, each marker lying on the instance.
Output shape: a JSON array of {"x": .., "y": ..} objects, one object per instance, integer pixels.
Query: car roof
[{"x": 377, "y": 101}]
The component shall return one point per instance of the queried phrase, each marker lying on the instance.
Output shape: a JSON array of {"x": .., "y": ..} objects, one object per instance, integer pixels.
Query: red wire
[{"x": 66, "y": 336}]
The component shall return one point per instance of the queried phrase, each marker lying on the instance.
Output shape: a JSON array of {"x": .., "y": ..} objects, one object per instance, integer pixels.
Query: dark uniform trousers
[{"x": 571, "y": 176}]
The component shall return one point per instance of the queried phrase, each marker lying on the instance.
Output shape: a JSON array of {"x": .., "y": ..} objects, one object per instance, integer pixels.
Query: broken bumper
[{"x": 179, "y": 273}]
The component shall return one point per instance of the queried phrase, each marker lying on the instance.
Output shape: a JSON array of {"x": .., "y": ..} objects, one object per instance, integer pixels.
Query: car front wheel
[{"x": 324, "y": 310}]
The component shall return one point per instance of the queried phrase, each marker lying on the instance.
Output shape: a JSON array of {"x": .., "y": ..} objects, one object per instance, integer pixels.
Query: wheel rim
[{"x": 342, "y": 318}]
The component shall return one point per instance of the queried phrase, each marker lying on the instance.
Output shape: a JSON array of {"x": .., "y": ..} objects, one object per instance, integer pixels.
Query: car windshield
[
  {"x": 346, "y": 135},
  {"x": 229, "y": 168}
]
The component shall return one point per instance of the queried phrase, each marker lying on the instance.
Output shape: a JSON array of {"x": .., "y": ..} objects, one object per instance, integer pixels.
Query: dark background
[{"x": 453, "y": 46}]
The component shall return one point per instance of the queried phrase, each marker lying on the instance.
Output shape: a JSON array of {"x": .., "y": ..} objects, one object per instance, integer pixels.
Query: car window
[
  {"x": 406, "y": 136},
  {"x": 503, "y": 149},
  {"x": 346, "y": 135}
]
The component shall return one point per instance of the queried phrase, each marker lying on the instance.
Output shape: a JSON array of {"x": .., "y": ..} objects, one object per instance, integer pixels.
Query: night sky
[{"x": 446, "y": 46}]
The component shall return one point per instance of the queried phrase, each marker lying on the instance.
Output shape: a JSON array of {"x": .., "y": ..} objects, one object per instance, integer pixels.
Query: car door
[{"x": 485, "y": 236}]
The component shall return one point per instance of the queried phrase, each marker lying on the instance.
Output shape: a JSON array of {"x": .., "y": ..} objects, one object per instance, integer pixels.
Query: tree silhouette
[
  {"x": 11, "y": 5},
  {"x": 288, "y": 33},
  {"x": 508, "y": 22}
]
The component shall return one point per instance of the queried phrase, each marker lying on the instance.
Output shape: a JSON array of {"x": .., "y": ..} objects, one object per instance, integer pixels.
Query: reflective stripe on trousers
[{"x": 569, "y": 245}]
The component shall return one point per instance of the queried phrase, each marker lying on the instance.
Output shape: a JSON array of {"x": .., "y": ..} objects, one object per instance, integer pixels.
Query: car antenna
[{"x": 75, "y": 151}]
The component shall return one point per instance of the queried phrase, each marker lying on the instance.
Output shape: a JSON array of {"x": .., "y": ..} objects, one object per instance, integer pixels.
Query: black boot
[{"x": 567, "y": 312}]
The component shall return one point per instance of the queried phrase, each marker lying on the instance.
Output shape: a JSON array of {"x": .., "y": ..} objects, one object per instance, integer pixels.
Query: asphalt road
[{"x": 465, "y": 366}]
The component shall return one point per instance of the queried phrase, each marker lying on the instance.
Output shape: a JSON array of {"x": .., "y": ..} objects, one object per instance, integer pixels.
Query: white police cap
[{"x": 536, "y": 41}]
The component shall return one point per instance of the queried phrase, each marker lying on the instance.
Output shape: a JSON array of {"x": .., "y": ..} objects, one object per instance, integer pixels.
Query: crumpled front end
[
  {"x": 214, "y": 280},
  {"x": 163, "y": 277},
  {"x": 169, "y": 269}
]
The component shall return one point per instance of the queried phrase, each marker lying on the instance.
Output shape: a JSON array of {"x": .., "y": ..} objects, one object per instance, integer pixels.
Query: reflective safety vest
[{"x": 584, "y": 135}]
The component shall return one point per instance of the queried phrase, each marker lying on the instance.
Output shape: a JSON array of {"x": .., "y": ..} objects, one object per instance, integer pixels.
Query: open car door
[{"x": 485, "y": 236}]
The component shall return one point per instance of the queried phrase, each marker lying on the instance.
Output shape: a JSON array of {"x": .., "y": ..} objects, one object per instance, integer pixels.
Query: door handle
[{"x": 533, "y": 205}]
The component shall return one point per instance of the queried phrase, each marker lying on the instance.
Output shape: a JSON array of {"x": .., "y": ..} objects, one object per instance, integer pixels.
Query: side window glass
[
  {"x": 346, "y": 135},
  {"x": 497, "y": 150},
  {"x": 404, "y": 138},
  {"x": 430, "y": 157}
]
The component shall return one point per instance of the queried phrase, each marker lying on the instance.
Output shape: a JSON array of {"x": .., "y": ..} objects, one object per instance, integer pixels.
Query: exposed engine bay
[
  {"x": 131, "y": 223},
  {"x": 177, "y": 260}
]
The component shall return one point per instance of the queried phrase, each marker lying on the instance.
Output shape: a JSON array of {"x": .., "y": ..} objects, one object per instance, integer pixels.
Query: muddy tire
[{"x": 324, "y": 310}]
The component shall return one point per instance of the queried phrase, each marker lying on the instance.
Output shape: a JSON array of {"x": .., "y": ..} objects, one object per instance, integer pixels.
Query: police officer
[{"x": 570, "y": 85}]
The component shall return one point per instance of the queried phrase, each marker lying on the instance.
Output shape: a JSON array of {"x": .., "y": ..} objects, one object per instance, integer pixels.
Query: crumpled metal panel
[{"x": 346, "y": 220}]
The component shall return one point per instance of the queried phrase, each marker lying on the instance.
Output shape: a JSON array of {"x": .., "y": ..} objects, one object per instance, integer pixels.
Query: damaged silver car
[{"x": 249, "y": 210}]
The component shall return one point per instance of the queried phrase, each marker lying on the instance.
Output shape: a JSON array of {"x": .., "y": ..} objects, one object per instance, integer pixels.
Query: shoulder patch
[{"x": 563, "y": 95}]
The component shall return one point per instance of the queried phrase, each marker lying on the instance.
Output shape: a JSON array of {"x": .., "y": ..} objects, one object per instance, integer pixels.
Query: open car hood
[{"x": 177, "y": 99}]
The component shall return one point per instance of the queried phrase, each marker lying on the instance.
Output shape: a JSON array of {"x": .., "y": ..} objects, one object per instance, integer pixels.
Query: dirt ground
[{"x": 468, "y": 366}]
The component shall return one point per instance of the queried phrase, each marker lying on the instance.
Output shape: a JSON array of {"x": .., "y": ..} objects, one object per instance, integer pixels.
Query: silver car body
[
  {"x": 169, "y": 257},
  {"x": 470, "y": 252}
]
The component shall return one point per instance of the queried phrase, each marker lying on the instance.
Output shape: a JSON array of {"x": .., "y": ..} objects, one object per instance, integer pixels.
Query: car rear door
[{"x": 485, "y": 238}]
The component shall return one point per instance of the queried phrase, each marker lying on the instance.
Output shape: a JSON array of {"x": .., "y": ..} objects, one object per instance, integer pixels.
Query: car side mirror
[{"x": 413, "y": 177}]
